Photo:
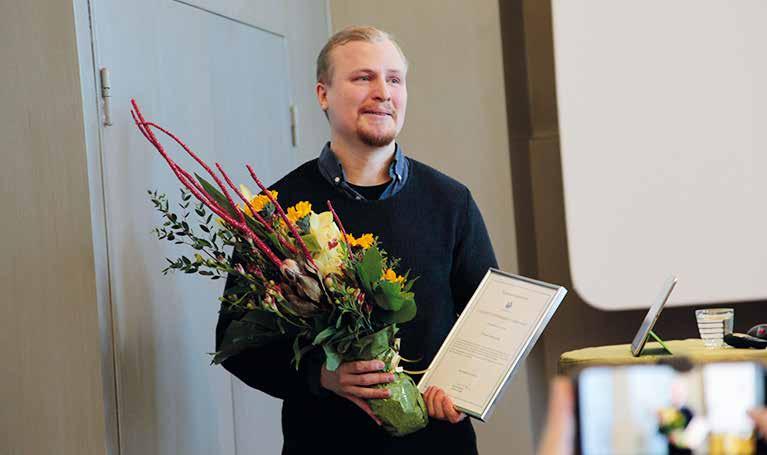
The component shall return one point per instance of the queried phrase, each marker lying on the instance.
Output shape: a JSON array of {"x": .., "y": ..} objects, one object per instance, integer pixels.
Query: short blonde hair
[{"x": 347, "y": 35}]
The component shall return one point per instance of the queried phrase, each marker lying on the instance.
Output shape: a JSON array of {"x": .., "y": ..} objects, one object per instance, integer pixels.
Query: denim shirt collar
[{"x": 333, "y": 172}]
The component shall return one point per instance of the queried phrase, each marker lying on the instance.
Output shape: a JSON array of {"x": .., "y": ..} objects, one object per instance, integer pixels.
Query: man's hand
[
  {"x": 351, "y": 381},
  {"x": 440, "y": 406}
]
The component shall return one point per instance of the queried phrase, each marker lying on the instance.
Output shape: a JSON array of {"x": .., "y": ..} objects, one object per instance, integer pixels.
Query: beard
[{"x": 376, "y": 138}]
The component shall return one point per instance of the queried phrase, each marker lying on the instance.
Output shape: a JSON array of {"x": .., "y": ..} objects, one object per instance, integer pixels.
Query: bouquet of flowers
[{"x": 298, "y": 276}]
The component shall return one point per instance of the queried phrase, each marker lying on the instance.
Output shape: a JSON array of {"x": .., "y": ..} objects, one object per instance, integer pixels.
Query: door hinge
[
  {"x": 106, "y": 86},
  {"x": 293, "y": 125}
]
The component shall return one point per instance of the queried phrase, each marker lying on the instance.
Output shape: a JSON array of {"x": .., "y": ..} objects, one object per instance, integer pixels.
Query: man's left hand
[{"x": 440, "y": 406}]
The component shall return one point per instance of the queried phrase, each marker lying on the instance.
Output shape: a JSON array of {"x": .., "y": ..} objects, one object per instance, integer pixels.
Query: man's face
[{"x": 367, "y": 97}]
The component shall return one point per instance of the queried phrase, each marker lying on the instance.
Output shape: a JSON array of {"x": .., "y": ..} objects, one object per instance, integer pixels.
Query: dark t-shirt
[{"x": 371, "y": 193}]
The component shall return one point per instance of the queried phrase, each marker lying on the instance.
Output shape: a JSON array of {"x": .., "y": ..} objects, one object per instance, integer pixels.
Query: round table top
[{"x": 620, "y": 354}]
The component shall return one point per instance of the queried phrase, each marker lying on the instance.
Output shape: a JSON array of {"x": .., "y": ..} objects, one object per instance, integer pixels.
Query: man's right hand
[{"x": 351, "y": 380}]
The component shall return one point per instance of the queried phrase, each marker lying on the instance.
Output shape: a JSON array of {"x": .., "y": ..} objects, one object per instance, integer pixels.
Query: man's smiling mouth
[{"x": 378, "y": 113}]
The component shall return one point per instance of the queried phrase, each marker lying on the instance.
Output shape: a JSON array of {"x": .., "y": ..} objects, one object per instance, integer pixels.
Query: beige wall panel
[
  {"x": 456, "y": 122},
  {"x": 50, "y": 379}
]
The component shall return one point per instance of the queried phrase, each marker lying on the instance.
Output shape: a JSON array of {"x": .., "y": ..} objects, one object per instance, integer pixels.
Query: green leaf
[
  {"x": 406, "y": 313},
  {"x": 303, "y": 224},
  {"x": 409, "y": 284},
  {"x": 333, "y": 359},
  {"x": 298, "y": 351},
  {"x": 257, "y": 328},
  {"x": 324, "y": 335},
  {"x": 216, "y": 194},
  {"x": 389, "y": 296},
  {"x": 370, "y": 268},
  {"x": 371, "y": 346}
]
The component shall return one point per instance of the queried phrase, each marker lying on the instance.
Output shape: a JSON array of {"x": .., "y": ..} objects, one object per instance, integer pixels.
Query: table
[{"x": 620, "y": 354}]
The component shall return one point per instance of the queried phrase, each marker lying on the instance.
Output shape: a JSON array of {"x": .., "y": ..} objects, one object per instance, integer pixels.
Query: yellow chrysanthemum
[
  {"x": 258, "y": 201},
  {"x": 391, "y": 276},
  {"x": 364, "y": 242},
  {"x": 299, "y": 211}
]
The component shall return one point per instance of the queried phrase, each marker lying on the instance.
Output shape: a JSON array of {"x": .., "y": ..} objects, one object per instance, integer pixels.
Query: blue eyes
[{"x": 368, "y": 78}]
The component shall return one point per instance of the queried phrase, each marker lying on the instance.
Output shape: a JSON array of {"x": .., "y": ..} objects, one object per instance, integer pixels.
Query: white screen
[{"x": 663, "y": 113}]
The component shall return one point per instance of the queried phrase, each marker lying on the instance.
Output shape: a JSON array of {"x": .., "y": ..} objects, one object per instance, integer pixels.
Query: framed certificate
[{"x": 491, "y": 338}]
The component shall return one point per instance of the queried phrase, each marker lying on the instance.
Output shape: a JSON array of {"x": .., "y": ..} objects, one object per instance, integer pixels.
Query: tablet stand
[{"x": 657, "y": 338}]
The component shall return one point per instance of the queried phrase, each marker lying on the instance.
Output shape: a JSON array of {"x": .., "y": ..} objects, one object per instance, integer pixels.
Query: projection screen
[{"x": 662, "y": 114}]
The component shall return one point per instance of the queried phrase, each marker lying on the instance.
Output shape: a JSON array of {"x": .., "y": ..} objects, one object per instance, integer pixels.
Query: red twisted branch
[
  {"x": 256, "y": 215},
  {"x": 195, "y": 188},
  {"x": 338, "y": 220},
  {"x": 284, "y": 217},
  {"x": 341, "y": 226}
]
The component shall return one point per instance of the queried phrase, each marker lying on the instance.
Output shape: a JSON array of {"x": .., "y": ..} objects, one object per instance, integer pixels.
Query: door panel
[{"x": 222, "y": 84}]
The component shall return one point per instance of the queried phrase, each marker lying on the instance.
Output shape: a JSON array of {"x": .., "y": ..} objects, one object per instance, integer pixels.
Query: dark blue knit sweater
[{"x": 434, "y": 226}]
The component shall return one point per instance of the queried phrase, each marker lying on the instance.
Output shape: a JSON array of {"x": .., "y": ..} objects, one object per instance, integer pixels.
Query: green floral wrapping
[{"x": 404, "y": 412}]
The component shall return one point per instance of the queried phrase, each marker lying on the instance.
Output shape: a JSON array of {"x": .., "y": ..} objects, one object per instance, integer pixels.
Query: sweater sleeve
[
  {"x": 269, "y": 368},
  {"x": 472, "y": 257}
]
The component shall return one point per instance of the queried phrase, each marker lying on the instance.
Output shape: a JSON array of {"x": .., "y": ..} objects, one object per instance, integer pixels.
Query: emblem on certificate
[{"x": 491, "y": 338}]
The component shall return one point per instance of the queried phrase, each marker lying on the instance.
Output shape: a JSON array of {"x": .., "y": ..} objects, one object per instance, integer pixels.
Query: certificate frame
[{"x": 522, "y": 350}]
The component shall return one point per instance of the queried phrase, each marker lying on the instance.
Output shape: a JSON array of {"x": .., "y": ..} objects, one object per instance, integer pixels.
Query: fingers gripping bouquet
[{"x": 299, "y": 276}]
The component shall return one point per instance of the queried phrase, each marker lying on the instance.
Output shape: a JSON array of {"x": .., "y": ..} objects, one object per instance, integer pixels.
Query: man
[{"x": 425, "y": 218}]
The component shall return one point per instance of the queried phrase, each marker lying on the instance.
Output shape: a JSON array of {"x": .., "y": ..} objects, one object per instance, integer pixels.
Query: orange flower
[
  {"x": 392, "y": 277},
  {"x": 364, "y": 242},
  {"x": 257, "y": 201},
  {"x": 299, "y": 211}
]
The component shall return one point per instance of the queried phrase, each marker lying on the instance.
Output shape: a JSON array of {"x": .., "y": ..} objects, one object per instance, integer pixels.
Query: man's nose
[{"x": 381, "y": 90}]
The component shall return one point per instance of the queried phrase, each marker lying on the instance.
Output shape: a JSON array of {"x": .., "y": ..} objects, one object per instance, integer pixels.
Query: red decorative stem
[
  {"x": 181, "y": 174},
  {"x": 207, "y": 168},
  {"x": 338, "y": 220},
  {"x": 195, "y": 187},
  {"x": 256, "y": 215},
  {"x": 340, "y": 225},
  {"x": 284, "y": 217}
]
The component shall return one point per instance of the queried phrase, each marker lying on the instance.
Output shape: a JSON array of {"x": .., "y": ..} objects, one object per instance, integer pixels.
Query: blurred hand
[
  {"x": 559, "y": 433},
  {"x": 351, "y": 380},
  {"x": 440, "y": 406},
  {"x": 759, "y": 416}
]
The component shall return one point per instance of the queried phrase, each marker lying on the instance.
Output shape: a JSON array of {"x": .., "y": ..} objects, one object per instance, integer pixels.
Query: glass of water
[{"x": 714, "y": 324}]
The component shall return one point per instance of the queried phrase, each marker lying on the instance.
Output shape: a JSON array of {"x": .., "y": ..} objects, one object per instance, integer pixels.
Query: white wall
[
  {"x": 50, "y": 374},
  {"x": 456, "y": 122}
]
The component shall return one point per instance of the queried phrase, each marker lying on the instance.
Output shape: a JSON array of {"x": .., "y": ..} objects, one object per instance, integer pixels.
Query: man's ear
[{"x": 322, "y": 95}]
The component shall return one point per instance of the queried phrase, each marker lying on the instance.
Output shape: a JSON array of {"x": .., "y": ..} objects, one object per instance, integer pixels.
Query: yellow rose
[{"x": 327, "y": 235}]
